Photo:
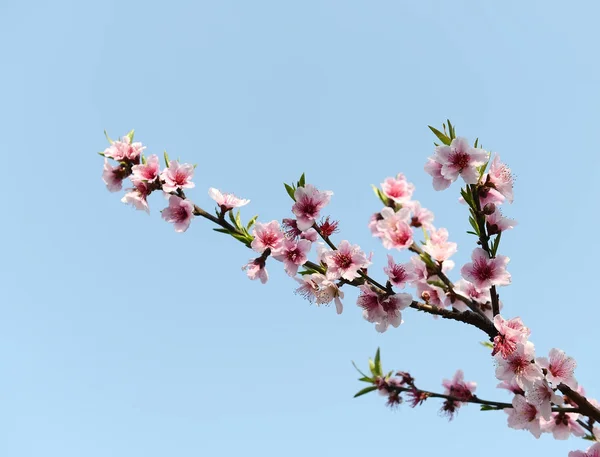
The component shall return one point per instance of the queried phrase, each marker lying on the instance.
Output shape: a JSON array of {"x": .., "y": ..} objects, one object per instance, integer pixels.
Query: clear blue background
[{"x": 120, "y": 337}]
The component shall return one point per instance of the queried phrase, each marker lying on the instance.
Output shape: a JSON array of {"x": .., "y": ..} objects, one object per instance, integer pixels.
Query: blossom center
[
  {"x": 343, "y": 260},
  {"x": 460, "y": 160}
]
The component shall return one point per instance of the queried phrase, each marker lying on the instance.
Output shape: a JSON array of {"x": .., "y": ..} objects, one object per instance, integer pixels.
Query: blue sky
[{"x": 120, "y": 337}]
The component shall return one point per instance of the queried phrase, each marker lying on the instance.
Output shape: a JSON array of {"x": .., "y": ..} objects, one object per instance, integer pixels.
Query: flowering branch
[{"x": 534, "y": 381}]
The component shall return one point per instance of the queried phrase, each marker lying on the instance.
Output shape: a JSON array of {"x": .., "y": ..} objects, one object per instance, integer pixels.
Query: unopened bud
[{"x": 489, "y": 209}]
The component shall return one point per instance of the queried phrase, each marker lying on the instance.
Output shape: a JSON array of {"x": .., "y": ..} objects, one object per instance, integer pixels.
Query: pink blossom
[
  {"x": 393, "y": 229},
  {"x": 468, "y": 290},
  {"x": 398, "y": 189},
  {"x": 267, "y": 236},
  {"x": 398, "y": 273},
  {"x": 510, "y": 333},
  {"x": 541, "y": 395},
  {"x": 177, "y": 176},
  {"x": 179, "y": 212},
  {"x": 501, "y": 177},
  {"x": 124, "y": 150},
  {"x": 293, "y": 254},
  {"x": 290, "y": 227},
  {"x": 484, "y": 272},
  {"x": 560, "y": 368},
  {"x": 383, "y": 310},
  {"x": 562, "y": 425},
  {"x": 432, "y": 295},
  {"x": 317, "y": 288},
  {"x": 524, "y": 416},
  {"x": 137, "y": 197},
  {"x": 112, "y": 177},
  {"x": 345, "y": 261},
  {"x": 421, "y": 217},
  {"x": 438, "y": 246},
  {"x": 146, "y": 172},
  {"x": 593, "y": 451},
  {"x": 460, "y": 159},
  {"x": 309, "y": 203},
  {"x": 226, "y": 201},
  {"x": 497, "y": 223},
  {"x": 434, "y": 168},
  {"x": 255, "y": 269},
  {"x": 457, "y": 387},
  {"x": 490, "y": 196},
  {"x": 511, "y": 386},
  {"x": 519, "y": 366},
  {"x": 310, "y": 235},
  {"x": 375, "y": 218}
]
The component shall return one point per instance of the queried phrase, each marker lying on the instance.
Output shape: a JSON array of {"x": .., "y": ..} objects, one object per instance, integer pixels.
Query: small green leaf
[
  {"x": 378, "y": 362},
  {"x": 232, "y": 219},
  {"x": 442, "y": 137},
  {"x": 496, "y": 244},
  {"x": 102, "y": 154},
  {"x": 302, "y": 181},
  {"x": 489, "y": 408},
  {"x": 474, "y": 225},
  {"x": 487, "y": 344},
  {"x": 476, "y": 142},
  {"x": 366, "y": 390},
  {"x": 166, "y": 159},
  {"x": 130, "y": 136},
  {"x": 108, "y": 138},
  {"x": 472, "y": 233},
  {"x": 451, "y": 130},
  {"x": 372, "y": 368},
  {"x": 143, "y": 159},
  {"x": 221, "y": 230},
  {"x": 436, "y": 283},
  {"x": 290, "y": 190},
  {"x": 238, "y": 220},
  {"x": 251, "y": 222},
  {"x": 366, "y": 379},
  {"x": 358, "y": 369}
]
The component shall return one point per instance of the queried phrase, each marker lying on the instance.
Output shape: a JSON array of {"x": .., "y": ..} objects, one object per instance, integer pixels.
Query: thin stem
[
  {"x": 484, "y": 241},
  {"x": 474, "y": 399}
]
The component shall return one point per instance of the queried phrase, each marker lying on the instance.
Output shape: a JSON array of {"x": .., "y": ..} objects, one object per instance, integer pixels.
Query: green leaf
[
  {"x": 476, "y": 142},
  {"x": 251, "y": 222},
  {"x": 451, "y": 130},
  {"x": 472, "y": 233},
  {"x": 366, "y": 379},
  {"x": 238, "y": 220},
  {"x": 474, "y": 225},
  {"x": 442, "y": 137},
  {"x": 489, "y": 408},
  {"x": 241, "y": 238},
  {"x": 130, "y": 136},
  {"x": 232, "y": 219},
  {"x": 496, "y": 244},
  {"x": 302, "y": 181},
  {"x": 290, "y": 190},
  {"x": 108, "y": 138},
  {"x": 366, "y": 390},
  {"x": 102, "y": 154},
  {"x": 436, "y": 283},
  {"x": 378, "y": 362},
  {"x": 143, "y": 159},
  {"x": 166, "y": 159},
  {"x": 358, "y": 369},
  {"x": 221, "y": 230},
  {"x": 487, "y": 344}
]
